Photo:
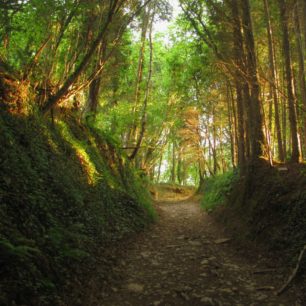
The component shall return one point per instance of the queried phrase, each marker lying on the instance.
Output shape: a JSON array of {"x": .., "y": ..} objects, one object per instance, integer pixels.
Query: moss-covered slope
[
  {"x": 269, "y": 206},
  {"x": 66, "y": 194}
]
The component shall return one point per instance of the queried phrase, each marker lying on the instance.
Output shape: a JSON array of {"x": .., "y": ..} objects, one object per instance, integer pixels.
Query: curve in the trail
[{"x": 185, "y": 259}]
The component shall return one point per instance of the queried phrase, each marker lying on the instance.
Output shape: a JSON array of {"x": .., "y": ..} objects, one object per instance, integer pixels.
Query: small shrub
[{"x": 216, "y": 189}]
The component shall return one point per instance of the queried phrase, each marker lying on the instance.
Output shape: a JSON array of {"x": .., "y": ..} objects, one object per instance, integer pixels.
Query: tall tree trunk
[
  {"x": 300, "y": 54},
  {"x": 289, "y": 81},
  {"x": 94, "y": 87},
  {"x": 173, "y": 163},
  {"x": 302, "y": 17},
  {"x": 93, "y": 95},
  {"x": 284, "y": 125},
  {"x": 139, "y": 78},
  {"x": 231, "y": 125},
  {"x": 159, "y": 167},
  {"x": 273, "y": 75},
  {"x": 214, "y": 144},
  {"x": 257, "y": 135},
  {"x": 146, "y": 98},
  {"x": 238, "y": 56}
]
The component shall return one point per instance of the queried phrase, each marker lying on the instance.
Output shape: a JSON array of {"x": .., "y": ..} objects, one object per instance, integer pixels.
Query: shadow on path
[{"x": 185, "y": 260}]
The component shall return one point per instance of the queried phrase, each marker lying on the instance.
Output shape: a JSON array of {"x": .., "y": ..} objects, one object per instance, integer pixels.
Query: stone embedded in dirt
[
  {"x": 194, "y": 243},
  {"x": 231, "y": 266},
  {"x": 184, "y": 295},
  {"x": 134, "y": 287},
  {"x": 204, "y": 262},
  {"x": 222, "y": 240},
  {"x": 170, "y": 246},
  {"x": 154, "y": 262},
  {"x": 207, "y": 301},
  {"x": 145, "y": 254},
  {"x": 226, "y": 290},
  {"x": 261, "y": 297}
]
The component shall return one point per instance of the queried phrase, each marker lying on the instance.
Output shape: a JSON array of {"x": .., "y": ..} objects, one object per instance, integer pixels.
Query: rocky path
[{"x": 184, "y": 260}]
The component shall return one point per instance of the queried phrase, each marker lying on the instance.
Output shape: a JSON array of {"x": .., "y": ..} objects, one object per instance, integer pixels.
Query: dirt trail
[{"x": 182, "y": 260}]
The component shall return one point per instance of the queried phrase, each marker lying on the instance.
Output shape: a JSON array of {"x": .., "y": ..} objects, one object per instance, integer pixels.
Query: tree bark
[
  {"x": 238, "y": 61},
  {"x": 257, "y": 135},
  {"x": 146, "y": 98},
  {"x": 300, "y": 54},
  {"x": 273, "y": 74},
  {"x": 289, "y": 81}
]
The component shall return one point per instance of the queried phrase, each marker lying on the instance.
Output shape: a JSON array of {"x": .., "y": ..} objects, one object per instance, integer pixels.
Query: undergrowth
[
  {"x": 216, "y": 189},
  {"x": 267, "y": 206},
  {"x": 66, "y": 193}
]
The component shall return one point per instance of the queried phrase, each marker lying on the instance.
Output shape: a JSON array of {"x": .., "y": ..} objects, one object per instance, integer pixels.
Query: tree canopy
[{"x": 223, "y": 87}]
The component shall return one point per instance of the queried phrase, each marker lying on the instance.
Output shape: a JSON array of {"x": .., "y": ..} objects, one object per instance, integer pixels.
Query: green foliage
[{"x": 216, "y": 189}]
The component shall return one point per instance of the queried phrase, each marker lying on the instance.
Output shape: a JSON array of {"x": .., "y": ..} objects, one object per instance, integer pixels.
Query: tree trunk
[
  {"x": 302, "y": 17},
  {"x": 159, "y": 168},
  {"x": 238, "y": 56},
  {"x": 273, "y": 75},
  {"x": 139, "y": 78},
  {"x": 257, "y": 135},
  {"x": 214, "y": 144},
  {"x": 302, "y": 83},
  {"x": 289, "y": 81},
  {"x": 146, "y": 98},
  {"x": 231, "y": 125},
  {"x": 173, "y": 163}
]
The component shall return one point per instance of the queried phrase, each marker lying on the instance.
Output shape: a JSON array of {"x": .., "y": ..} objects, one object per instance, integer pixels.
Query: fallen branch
[{"x": 294, "y": 272}]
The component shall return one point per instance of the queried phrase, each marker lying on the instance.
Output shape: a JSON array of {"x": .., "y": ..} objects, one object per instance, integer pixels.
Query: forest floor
[{"x": 186, "y": 258}]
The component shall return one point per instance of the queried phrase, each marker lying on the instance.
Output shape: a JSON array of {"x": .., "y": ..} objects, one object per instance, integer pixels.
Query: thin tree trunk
[
  {"x": 238, "y": 52},
  {"x": 214, "y": 144},
  {"x": 146, "y": 98},
  {"x": 284, "y": 125},
  {"x": 273, "y": 90},
  {"x": 94, "y": 87},
  {"x": 300, "y": 54},
  {"x": 144, "y": 29},
  {"x": 231, "y": 125},
  {"x": 302, "y": 17},
  {"x": 173, "y": 163},
  {"x": 289, "y": 80}
]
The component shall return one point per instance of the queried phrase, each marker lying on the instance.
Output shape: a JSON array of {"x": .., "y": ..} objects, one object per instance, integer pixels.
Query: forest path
[{"x": 184, "y": 259}]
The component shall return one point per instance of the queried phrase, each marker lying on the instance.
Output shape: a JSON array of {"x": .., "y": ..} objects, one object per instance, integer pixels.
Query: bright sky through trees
[{"x": 162, "y": 25}]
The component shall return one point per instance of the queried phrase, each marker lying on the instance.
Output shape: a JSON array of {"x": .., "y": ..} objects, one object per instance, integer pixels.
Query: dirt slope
[{"x": 185, "y": 260}]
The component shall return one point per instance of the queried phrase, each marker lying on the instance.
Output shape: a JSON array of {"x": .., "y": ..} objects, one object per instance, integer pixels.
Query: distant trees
[{"x": 265, "y": 99}]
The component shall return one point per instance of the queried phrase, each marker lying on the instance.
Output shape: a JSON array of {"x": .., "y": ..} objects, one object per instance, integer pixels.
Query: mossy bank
[{"x": 67, "y": 194}]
